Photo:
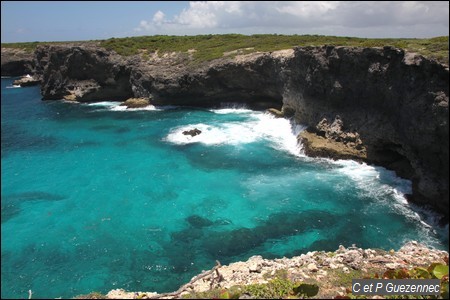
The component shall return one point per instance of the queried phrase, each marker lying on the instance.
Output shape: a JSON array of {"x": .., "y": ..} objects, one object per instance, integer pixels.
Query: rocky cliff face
[
  {"x": 85, "y": 73},
  {"x": 16, "y": 62},
  {"x": 393, "y": 105},
  {"x": 379, "y": 105}
]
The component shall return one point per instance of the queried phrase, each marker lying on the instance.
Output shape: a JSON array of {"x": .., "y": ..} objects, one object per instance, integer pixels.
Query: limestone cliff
[
  {"x": 393, "y": 105},
  {"x": 16, "y": 62},
  {"x": 379, "y": 105}
]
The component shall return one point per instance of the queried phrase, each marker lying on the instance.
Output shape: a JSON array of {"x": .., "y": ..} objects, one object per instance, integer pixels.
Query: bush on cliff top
[{"x": 210, "y": 47}]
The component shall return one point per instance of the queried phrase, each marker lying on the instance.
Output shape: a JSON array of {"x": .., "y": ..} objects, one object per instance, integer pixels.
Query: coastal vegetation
[
  {"x": 281, "y": 286},
  {"x": 209, "y": 47}
]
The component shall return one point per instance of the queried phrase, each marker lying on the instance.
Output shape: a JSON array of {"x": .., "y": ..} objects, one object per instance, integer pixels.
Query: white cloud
[
  {"x": 308, "y": 9},
  {"x": 158, "y": 17},
  {"x": 199, "y": 15},
  {"x": 349, "y": 18}
]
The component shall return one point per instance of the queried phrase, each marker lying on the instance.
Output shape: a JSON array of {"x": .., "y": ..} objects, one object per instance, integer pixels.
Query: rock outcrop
[
  {"x": 17, "y": 62},
  {"x": 379, "y": 105},
  {"x": 322, "y": 268},
  {"x": 27, "y": 81},
  {"x": 88, "y": 73},
  {"x": 392, "y": 104},
  {"x": 136, "y": 103}
]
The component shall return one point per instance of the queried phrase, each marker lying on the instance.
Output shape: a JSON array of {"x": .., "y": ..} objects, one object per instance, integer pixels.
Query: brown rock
[
  {"x": 136, "y": 103},
  {"x": 275, "y": 112},
  {"x": 315, "y": 145}
]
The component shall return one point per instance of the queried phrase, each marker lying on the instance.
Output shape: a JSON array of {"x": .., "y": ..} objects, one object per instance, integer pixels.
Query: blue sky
[{"x": 27, "y": 21}]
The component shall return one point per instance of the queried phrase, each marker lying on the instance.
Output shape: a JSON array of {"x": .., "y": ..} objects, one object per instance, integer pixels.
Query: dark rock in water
[
  {"x": 279, "y": 225},
  {"x": 186, "y": 236},
  {"x": 222, "y": 222},
  {"x": 198, "y": 222},
  {"x": 27, "y": 81},
  {"x": 9, "y": 210},
  {"x": 31, "y": 196},
  {"x": 11, "y": 203},
  {"x": 192, "y": 132}
]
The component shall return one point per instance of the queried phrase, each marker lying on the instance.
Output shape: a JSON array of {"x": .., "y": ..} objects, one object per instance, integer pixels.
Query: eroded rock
[
  {"x": 136, "y": 103},
  {"x": 27, "y": 80}
]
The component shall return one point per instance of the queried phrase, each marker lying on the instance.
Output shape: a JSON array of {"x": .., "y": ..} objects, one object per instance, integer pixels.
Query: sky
[{"x": 29, "y": 21}]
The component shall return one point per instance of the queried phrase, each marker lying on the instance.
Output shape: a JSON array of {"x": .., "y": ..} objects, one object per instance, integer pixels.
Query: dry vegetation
[{"x": 209, "y": 47}]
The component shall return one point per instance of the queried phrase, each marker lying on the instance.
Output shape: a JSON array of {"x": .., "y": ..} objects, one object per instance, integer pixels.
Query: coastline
[
  {"x": 307, "y": 267},
  {"x": 353, "y": 97},
  {"x": 331, "y": 271}
]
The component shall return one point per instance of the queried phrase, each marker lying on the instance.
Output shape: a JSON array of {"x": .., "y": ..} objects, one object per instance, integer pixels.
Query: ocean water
[{"x": 95, "y": 197}]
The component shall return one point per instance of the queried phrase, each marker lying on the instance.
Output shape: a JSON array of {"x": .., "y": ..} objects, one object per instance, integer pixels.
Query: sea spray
[{"x": 281, "y": 133}]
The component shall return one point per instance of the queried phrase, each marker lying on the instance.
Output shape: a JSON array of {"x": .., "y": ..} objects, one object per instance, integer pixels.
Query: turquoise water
[{"x": 96, "y": 198}]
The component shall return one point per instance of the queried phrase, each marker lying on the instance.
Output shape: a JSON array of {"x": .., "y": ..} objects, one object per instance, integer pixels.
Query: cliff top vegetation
[{"x": 209, "y": 47}]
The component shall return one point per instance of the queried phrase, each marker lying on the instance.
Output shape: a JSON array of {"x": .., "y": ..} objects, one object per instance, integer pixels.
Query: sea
[{"x": 96, "y": 197}]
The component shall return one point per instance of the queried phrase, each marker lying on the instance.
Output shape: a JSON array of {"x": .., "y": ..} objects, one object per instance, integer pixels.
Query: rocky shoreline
[
  {"x": 378, "y": 105},
  {"x": 331, "y": 271},
  {"x": 383, "y": 106}
]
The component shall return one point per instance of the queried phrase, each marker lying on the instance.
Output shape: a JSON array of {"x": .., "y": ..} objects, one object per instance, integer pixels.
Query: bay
[{"x": 97, "y": 197}]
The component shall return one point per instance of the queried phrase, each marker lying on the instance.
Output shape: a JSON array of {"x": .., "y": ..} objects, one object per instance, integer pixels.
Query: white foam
[
  {"x": 223, "y": 111},
  {"x": 380, "y": 183},
  {"x": 229, "y": 133},
  {"x": 105, "y": 103},
  {"x": 281, "y": 134},
  {"x": 116, "y": 106},
  {"x": 70, "y": 101},
  {"x": 124, "y": 108},
  {"x": 14, "y": 86}
]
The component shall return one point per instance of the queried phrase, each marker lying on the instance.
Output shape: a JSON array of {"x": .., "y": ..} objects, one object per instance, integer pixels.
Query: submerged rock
[{"x": 198, "y": 222}]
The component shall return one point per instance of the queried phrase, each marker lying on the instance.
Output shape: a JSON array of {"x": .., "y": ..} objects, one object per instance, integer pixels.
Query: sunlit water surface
[{"x": 95, "y": 197}]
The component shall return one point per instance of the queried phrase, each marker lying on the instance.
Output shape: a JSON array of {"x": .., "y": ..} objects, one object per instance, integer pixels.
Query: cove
[{"x": 95, "y": 197}]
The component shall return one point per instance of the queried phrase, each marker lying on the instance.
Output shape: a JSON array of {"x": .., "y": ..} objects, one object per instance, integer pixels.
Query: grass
[{"x": 211, "y": 47}]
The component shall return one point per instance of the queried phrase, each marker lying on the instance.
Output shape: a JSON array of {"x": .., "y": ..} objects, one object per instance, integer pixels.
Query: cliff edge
[
  {"x": 379, "y": 105},
  {"x": 330, "y": 272}
]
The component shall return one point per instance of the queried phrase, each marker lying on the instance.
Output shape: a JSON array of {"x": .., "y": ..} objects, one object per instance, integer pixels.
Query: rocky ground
[{"x": 331, "y": 271}]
